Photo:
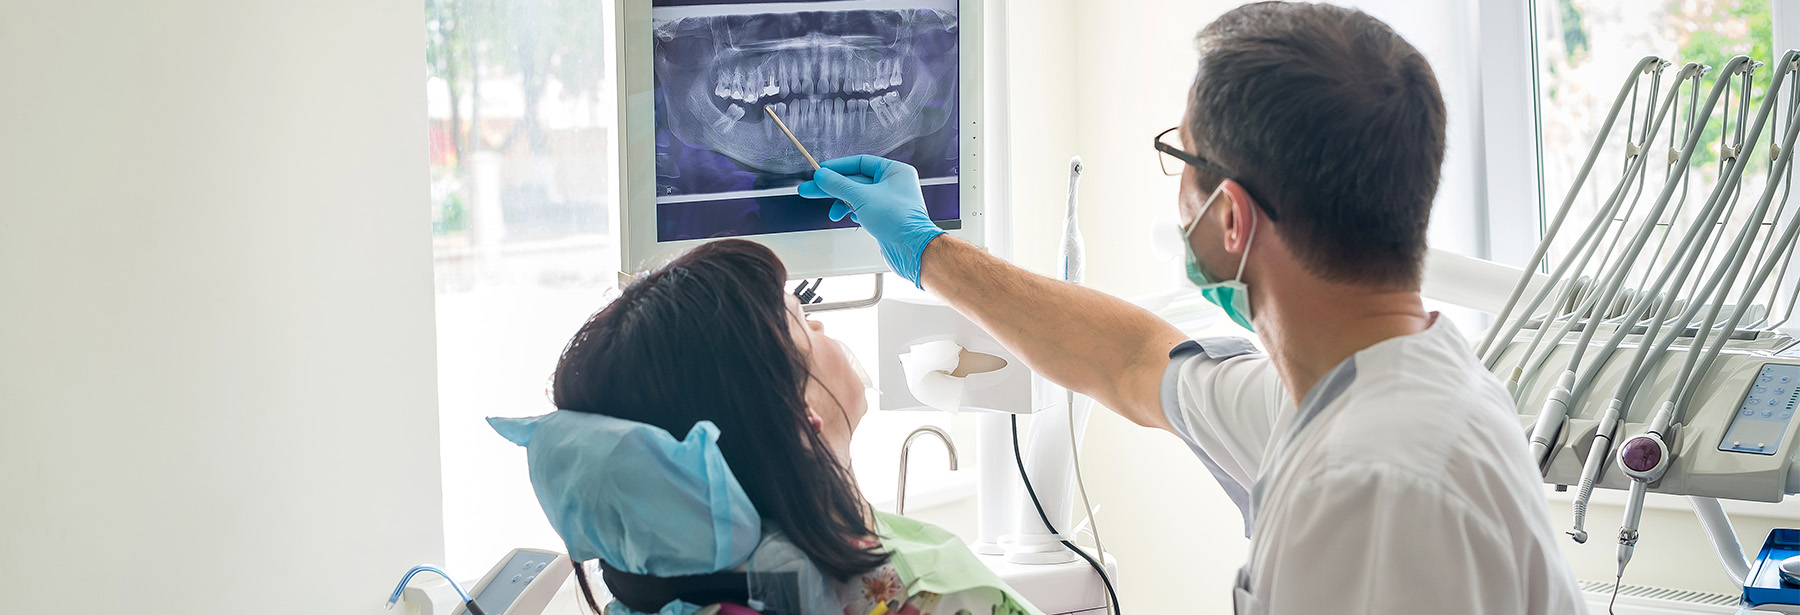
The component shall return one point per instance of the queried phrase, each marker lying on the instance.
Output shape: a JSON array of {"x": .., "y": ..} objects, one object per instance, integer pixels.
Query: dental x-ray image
[{"x": 847, "y": 76}]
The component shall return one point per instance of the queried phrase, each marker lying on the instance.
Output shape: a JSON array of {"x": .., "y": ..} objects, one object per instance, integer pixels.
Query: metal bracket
[{"x": 848, "y": 305}]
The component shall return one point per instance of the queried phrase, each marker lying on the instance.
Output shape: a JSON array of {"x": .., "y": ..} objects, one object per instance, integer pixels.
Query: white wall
[{"x": 216, "y": 346}]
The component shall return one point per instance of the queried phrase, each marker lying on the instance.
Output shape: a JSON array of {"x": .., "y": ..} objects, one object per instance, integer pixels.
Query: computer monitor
[{"x": 702, "y": 160}]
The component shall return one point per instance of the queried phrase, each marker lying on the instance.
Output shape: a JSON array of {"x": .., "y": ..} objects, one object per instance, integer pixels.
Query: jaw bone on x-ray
[{"x": 849, "y": 77}]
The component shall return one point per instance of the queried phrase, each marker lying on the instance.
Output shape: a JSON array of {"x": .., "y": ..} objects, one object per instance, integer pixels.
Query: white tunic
[{"x": 1401, "y": 484}]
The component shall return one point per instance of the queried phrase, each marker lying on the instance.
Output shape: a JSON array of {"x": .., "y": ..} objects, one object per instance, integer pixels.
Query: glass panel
[
  {"x": 519, "y": 106},
  {"x": 1586, "y": 47}
]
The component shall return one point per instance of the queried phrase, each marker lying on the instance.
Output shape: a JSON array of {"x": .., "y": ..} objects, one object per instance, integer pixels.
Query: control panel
[
  {"x": 521, "y": 583},
  {"x": 1765, "y": 411}
]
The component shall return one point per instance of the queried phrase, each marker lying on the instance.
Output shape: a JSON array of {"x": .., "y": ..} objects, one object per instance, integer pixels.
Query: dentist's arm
[{"x": 1090, "y": 342}]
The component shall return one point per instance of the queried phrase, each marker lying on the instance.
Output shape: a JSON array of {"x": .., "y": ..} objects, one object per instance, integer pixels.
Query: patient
[{"x": 713, "y": 337}]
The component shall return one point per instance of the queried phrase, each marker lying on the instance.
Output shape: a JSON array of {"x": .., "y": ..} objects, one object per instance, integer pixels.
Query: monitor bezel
[{"x": 807, "y": 254}]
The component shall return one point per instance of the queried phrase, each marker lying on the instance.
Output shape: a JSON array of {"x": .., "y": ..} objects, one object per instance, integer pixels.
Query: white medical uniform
[{"x": 1401, "y": 484}]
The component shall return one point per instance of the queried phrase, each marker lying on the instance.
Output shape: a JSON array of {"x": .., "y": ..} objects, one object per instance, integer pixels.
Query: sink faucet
[{"x": 900, "y": 498}]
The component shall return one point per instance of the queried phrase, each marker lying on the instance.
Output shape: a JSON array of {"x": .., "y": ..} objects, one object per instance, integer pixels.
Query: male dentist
[{"x": 1379, "y": 467}]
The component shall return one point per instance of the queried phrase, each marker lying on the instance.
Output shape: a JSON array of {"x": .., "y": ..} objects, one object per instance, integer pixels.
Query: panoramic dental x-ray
[{"x": 848, "y": 78}]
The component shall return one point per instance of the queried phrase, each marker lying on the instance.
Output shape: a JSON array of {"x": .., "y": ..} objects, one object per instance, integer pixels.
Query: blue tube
[{"x": 401, "y": 588}]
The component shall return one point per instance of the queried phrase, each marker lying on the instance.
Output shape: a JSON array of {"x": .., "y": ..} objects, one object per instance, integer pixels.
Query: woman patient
[{"x": 756, "y": 509}]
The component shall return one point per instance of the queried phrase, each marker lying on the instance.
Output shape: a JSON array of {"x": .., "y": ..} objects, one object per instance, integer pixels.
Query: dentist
[{"x": 1379, "y": 467}]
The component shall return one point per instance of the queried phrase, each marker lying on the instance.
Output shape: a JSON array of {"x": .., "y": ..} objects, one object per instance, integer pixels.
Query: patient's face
[{"x": 835, "y": 393}]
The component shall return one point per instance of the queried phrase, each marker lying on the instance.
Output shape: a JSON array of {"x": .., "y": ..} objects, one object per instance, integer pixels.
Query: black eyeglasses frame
[{"x": 1204, "y": 165}]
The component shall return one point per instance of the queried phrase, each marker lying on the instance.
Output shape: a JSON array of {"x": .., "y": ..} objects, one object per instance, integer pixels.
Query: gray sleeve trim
[
  {"x": 1222, "y": 348},
  {"x": 1215, "y": 349}
]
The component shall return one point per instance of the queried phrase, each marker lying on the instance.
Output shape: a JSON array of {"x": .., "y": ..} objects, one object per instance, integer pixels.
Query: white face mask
[{"x": 1232, "y": 296}]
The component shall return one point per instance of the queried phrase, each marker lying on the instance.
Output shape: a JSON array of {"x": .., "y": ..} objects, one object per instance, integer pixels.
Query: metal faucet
[{"x": 949, "y": 446}]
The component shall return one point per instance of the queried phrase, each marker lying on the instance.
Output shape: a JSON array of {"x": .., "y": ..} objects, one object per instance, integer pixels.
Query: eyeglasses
[{"x": 1175, "y": 160}]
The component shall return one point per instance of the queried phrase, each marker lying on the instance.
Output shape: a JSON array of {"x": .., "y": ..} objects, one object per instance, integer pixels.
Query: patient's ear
[{"x": 817, "y": 422}]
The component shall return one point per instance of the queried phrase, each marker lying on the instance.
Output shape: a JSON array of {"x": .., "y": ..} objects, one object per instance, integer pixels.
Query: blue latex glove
[{"x": 885, "y": 200}]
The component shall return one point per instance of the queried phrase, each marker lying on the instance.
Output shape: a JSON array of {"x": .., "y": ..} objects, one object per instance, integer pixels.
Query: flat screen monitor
[{"x": 702, "y": 159}]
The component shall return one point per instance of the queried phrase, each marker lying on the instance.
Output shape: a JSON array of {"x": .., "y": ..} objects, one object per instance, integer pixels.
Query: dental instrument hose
[
  {"x": 474, "y": 609},
  {"x": 1098, "y": 569}
]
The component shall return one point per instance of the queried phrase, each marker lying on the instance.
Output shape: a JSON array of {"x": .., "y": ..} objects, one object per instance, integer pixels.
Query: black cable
[{"x": 1098, "y": 569}]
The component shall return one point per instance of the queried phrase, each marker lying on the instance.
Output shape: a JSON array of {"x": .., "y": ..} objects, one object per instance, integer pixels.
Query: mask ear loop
[
  {"x": 1187, "y": 232},
  {"x": 1247, "y": 243}
]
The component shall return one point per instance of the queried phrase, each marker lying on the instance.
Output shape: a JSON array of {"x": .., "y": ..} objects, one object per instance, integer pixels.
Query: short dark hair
[
  {"x": 1332, "y": 120},
  {"x": 707, "y": 338}
]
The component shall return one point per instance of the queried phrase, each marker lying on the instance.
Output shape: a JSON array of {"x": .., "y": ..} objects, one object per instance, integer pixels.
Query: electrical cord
[
  {"x": 1098, "y": 569},
  {"x": 1081, "y": 486}
]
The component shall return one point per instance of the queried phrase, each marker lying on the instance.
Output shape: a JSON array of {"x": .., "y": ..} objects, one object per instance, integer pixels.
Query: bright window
[
  {"x": 1585, "y": 48},
  {"x": 520, "y": 108}
]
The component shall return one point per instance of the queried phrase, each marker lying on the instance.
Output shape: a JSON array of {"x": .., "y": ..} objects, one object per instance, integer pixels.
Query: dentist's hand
[{"x": 891, "y": 208}]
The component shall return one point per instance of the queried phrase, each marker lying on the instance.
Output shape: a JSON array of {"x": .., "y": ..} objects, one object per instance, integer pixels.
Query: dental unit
[{"x": 1655, "y": 364}]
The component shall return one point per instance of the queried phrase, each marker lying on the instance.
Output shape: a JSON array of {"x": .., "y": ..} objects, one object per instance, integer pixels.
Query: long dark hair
[{"x": 706, "y": 337}]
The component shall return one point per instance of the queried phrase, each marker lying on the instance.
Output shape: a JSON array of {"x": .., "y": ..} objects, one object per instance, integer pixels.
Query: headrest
[{"x": 630, "y": 494}]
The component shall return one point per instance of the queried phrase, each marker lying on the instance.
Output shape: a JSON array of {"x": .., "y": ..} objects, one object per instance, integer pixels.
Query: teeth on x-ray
[{"x": 845, "y": 82}]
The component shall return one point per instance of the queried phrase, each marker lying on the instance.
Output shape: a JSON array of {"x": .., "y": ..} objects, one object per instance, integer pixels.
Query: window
[
  {"x": 519, "y": 107},
  {"x": 1584, "y": 49}
]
